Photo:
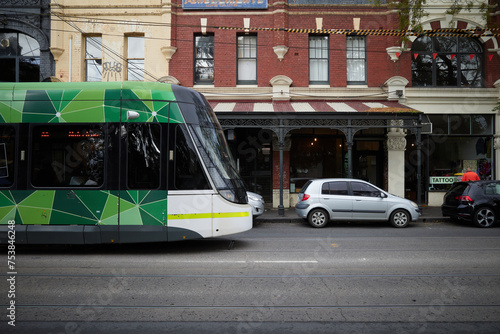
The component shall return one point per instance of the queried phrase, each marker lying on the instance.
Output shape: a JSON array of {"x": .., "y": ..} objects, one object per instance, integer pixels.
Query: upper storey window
[
  {"x": 135, "y": 58},
  {"x": 93, "y": 58},
  {"x": 318, "y": 60},
  {"x": 356, "y": 60},
  {"x": 447, "y": 61},
  {"x": 204, "y": 59},
  {"x": 247, "y": 59}
]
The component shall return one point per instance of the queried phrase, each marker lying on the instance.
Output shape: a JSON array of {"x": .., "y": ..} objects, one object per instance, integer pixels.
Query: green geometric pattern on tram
[
  {"x": 6, "y": 198},
  {"x": 7, "y": 207},
  {"x": 129, "y": 196},
  {"x": 36, "y": 208},
  {"x": 83, "y": 111},
  {"x": 110, "y": 211},
  {"x": 93, "y": 200},
  {"x": 151, "y": 213},
  {"x": 38, "y": 107},
  {"x": 65, "y": 218},
  {"x": 71, "y": 206},
  {"x": 20, "y": 195},
  {"x": 131, "y": 216},
  {"x": 152, "y": 196}
]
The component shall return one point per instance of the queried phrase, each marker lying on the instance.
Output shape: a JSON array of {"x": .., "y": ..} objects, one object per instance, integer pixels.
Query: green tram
[{"x": 114, "y": 162}]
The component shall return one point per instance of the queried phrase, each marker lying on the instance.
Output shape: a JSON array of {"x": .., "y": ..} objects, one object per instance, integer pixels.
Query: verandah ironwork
[{"x": 281, "y": 123}]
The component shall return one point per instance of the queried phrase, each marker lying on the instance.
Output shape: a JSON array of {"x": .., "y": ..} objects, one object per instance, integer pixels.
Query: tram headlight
[{"x": 229, "y": 195}]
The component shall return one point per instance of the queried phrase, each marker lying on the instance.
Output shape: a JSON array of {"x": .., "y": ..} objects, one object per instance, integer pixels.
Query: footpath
[{"x": 271, "y": 215}]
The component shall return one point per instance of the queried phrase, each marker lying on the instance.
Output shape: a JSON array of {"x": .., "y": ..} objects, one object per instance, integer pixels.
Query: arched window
[
  {"x": 447, "y": 62},
  {"x": 19, "y": 57}
]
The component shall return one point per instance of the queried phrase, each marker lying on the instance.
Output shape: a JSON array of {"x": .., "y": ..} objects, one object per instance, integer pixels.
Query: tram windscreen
[{"x": 209, "y": 138}]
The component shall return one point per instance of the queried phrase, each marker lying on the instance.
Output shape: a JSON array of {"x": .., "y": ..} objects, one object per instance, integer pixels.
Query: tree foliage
[{"x": 411, "y": 12}]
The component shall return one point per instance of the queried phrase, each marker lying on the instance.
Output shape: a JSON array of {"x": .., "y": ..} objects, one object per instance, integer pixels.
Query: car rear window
[
  {"x": 458, "y": 188},
  {"x": 304, "y": 188}
]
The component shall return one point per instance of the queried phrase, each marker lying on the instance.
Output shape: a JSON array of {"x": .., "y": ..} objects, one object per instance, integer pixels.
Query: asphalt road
[{"x": 276, "y": 278}]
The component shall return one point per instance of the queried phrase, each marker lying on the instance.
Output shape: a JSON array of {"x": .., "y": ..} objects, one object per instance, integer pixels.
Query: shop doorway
[{"x": 368, "y": 161}]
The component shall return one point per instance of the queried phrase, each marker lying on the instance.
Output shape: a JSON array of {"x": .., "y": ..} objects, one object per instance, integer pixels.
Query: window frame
[
  {"x": 351, "y": 50},
  {"x": 154, "y": 173},
  {"x": 456, "y": 58},
  {"x": 93, "y": 59},
  {"x": 9, "y": 150},
  {"x": 70, "y": 158},
  {"x": 239, "y": 58},
  {"x": 135, "y": 71},
  {"x": 208, "y": 81},
  {"x": 319, "y": 60}
]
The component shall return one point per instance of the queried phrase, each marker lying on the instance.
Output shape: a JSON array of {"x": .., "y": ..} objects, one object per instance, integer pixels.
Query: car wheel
[
  {"x": 400, "y": 218},
  {"x": 484, "y": 217},
  {"x": 318, "y": 218}
]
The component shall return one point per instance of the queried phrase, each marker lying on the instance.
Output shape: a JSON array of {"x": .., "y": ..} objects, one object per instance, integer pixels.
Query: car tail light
[
  {"x": 464, "y": 199},
  {"x": 305, "y": 197}
]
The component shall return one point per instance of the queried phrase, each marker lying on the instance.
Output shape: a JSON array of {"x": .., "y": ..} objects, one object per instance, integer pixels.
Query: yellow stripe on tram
[
  {"x": 230, "y": 214},
  {"x": 208, "y": 215}
]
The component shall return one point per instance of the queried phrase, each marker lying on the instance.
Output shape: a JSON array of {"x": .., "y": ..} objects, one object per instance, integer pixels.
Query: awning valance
[{"x": 310, "y": 106}]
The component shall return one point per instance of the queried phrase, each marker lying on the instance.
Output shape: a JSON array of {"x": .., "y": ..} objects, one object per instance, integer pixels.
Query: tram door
[
  {"x": 190, "y": 197},
  {"x": 142, "y": 197}
]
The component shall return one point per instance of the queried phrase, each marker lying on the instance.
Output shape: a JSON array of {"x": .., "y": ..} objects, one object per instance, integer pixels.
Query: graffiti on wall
[{"x": 112, "y": 71}]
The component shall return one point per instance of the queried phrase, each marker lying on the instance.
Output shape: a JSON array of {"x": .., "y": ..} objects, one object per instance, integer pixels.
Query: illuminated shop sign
[
  {"x": 223, "y": 4},
  {"x": 445, "y": 179}
]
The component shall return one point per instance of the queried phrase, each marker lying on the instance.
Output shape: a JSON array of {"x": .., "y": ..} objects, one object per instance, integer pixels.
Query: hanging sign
[{"x": 224, "y": 4}]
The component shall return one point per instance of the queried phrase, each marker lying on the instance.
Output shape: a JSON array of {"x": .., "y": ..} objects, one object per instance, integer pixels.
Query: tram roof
[{"x": 58, "y": 102}]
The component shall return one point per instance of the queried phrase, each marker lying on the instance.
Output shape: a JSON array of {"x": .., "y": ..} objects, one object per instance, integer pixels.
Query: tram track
[
  {"x": 252, "y": 282},
  {"x": 241, "y": 276}
]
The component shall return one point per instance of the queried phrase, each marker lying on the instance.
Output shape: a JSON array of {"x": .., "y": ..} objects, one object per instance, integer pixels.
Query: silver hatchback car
[{"x": 323, "y": 200}]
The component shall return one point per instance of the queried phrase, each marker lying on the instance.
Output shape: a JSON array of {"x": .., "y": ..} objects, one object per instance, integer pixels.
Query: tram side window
[
  {"x": 67, "y": 155},
  {"x": 143, "y": 155},
  {"x": 7, "y": 140},
  {"x": 187, "y": 170}
]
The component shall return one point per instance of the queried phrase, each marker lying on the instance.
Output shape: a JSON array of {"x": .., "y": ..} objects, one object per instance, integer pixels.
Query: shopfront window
[{"x": 459, "y": 142}]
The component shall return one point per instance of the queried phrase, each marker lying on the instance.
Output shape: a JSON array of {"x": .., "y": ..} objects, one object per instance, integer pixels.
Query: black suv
[{"x": 477, "y": 201}]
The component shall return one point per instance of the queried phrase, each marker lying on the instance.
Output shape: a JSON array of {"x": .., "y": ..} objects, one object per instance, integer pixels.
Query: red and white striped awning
[{"x": 310, "y": 106}]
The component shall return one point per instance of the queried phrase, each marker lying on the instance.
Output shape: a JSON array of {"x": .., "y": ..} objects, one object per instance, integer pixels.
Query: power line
[{"x": 103, "y": 46}]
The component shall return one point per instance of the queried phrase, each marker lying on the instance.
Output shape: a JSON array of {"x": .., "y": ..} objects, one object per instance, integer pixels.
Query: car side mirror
[{"x": 383, "y": 195}]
